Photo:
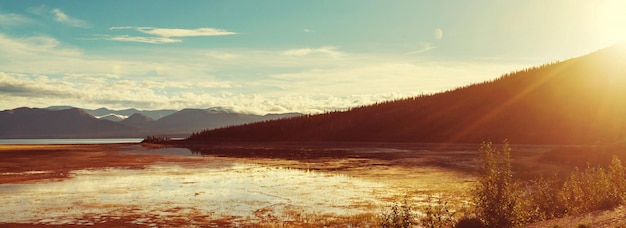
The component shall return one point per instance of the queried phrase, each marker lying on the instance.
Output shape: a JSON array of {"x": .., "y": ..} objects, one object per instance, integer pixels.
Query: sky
[{"x": 279, "y": 56}]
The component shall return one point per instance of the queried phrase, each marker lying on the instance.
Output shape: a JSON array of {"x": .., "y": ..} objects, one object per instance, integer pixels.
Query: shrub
[
  {"x": 587, "y": 190},
  {"x": 541, "y": 201},
  {"x": 400, "y": 215},
  {"x": 501, "y": 202},
  {"x": 438, "y": 213},
  {"x": 496, "y": 195},
  {"x": 617, "y": 177}
]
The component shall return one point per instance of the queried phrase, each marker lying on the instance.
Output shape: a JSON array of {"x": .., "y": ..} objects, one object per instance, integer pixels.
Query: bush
[
  {"x": 618, "y": 179},
  {"x": 541, "y": 201},
  {"x": 496, "y": 195},
  {"x": 587, "y": 190},
  {"x": 502, "y": 202},
  {"x": 438, "y": 213},
  {"x": 400, "y": 215}
]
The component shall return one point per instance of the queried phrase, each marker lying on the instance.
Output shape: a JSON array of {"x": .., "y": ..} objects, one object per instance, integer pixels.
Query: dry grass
[{"x": 604, "y": 218}]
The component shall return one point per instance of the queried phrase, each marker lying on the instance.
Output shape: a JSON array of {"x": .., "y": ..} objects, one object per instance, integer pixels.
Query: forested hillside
[{"x": 577, "y": 101}]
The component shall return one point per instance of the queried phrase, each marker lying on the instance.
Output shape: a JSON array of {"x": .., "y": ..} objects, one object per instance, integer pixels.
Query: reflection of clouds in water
[{"x": 218, "y": 188}]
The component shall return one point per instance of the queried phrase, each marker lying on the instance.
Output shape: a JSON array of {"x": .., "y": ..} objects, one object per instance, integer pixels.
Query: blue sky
[{"x": 280, "y": 56}]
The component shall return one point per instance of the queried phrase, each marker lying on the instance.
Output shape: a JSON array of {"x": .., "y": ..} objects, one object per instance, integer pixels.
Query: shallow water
[
  {"x": 69, "y": 141},
  {"x": 201, "y": 191}
]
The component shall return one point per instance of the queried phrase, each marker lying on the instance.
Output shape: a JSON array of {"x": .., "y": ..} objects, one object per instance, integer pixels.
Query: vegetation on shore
[
  {"x": 156, "y": 139},
  {"x": 499, "y": 200}
]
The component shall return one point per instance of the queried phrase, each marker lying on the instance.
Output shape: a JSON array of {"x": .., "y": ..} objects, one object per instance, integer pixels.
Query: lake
[
  {"x": 198, "y": 193},
  {"x": 69, "y": 141},
  {"x": 120, "y": 185}
]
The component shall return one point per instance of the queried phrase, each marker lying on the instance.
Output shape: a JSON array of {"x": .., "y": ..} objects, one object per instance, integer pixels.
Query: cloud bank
[{"x": 40, "y": 71}]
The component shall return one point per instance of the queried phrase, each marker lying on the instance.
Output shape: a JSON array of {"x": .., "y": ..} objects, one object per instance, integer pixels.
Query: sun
[{"x": 611, "y": 20}]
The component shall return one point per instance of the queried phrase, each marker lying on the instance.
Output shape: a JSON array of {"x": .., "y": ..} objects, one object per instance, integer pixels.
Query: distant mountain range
[
  {"x": 118, "y": 115},
  {"x": 577, "y": 101},
  {"x": 70, "y": 122}
]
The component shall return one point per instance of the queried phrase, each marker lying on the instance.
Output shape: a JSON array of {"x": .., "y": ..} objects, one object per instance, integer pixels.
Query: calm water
[
  {"x": 162, "y": 193},
  {"x": 70, "y": 141}
]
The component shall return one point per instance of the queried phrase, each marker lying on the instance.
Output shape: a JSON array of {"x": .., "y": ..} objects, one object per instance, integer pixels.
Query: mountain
[
  {"x": 64, "y": 123},
  {"x": 154, "y": 114},
  {"x": 577, "y": 101},
  {"x": 112, "y": 117},
  {"x": 194, "y": 120},
  {"x": 138, "y": 120},
  {"x": 123, "y": 114}
]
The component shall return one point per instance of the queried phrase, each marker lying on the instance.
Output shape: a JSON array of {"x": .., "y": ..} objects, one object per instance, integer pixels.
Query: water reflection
[
  {"x": 210, "y": 190},
  {"x": 280, "y": 152}
]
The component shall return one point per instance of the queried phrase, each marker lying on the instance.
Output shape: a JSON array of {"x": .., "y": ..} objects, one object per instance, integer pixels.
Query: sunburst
[{"x": 611, "y": 20}]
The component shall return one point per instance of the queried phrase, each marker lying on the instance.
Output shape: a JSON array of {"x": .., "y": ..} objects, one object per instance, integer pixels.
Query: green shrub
[
  {"x": 400, "y": 215},
  {"x": 588, "y": 190},
  {"x": 502, "y": 202},
  {"x": 541, "y": 201},
  {"x": 496, "y": 195},
  {"x": 617, "y": 178},
  {"x": 438, "y": 213}
]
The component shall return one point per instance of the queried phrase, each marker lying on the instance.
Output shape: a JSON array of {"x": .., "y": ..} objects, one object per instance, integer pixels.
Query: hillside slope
[
  {"x": 194, "y": 120},
  {"x": 580, "y": 100}
]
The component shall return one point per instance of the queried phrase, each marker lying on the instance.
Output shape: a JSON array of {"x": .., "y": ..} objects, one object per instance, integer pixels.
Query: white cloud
[
  {"x": 177, "y": 32},
  {"x": 221, "y": 55},
  {"x": 13, "y": 19},
  {"x": 42, "y": 91},
  {"x": 90, "y": 91},
  {"x": 30, "y": 49},
  {"x": 308, "y": 30},
  {"x": 142, "y": 39},
  {"x": 59, "y": 16},
  {"x": 327, "y": 51},
  {"x": 41, "y": 71}
]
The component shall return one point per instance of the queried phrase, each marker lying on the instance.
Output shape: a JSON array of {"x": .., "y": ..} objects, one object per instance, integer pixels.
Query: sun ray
[{"x": 611, "y": 20}]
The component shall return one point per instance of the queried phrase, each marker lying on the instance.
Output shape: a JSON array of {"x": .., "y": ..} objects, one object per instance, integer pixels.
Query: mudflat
[{"x": 23, "y": 163}]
